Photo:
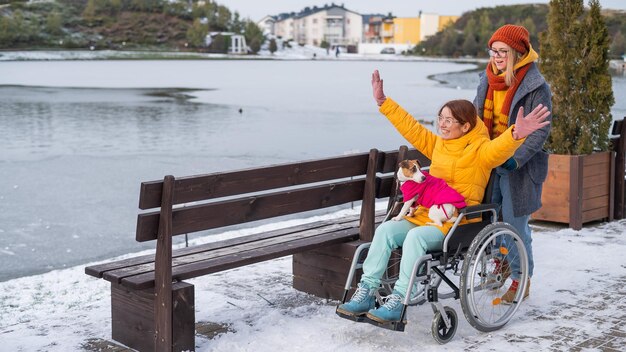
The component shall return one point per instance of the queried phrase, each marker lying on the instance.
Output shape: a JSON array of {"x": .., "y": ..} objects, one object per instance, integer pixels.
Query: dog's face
[{"x": 410, "y": 170}]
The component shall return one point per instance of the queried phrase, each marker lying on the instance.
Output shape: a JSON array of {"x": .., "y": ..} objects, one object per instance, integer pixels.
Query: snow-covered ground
[{"x": 577, "y": 302}]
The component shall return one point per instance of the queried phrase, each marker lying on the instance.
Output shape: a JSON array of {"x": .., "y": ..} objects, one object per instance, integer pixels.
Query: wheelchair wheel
[
  {"x": 482, "y": 285},
  {"x": 439, "y": 330}
]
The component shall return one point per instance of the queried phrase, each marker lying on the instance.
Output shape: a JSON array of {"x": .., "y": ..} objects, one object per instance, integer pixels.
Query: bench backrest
[
  {"x": 235, "y": 197},
  {"x": 618, "y": 143}
]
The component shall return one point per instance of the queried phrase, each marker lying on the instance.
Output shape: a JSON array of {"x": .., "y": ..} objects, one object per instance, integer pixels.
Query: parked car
[{"x": 388, "y": 51}]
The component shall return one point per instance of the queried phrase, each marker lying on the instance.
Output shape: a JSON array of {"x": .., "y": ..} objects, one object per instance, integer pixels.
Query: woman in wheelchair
[{"x": 463, "y": 155}]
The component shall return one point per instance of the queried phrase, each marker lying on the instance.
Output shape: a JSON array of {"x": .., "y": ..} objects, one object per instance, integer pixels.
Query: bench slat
[
  {"x": 348, "y": 226},
  {"x": 242, "y": 210},
  {"x": 223, "y": 184},
  {"x": 117, "y": 275},
  {"x": 100, "y": 269},
  {"x": 252, "y": 256}
]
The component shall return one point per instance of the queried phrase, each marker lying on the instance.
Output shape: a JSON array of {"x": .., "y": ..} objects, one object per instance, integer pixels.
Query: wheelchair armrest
[{"x": 475, "y": 211}]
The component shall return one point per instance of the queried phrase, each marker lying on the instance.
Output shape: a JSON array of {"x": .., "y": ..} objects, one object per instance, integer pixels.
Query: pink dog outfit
[{"x": 433, "y": 191}]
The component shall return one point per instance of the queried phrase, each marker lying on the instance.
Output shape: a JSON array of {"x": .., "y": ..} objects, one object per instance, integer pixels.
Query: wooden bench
[
  {"x": 153, "y": 309},
  {"x": 618, "y": 144}
]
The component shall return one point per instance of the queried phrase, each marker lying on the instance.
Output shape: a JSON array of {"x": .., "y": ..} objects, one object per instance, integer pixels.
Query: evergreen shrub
[{"x": 575, "y": 62}]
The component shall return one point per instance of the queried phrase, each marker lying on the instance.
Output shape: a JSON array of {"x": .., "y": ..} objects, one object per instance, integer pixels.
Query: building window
[{"x": 315, "y": 21}]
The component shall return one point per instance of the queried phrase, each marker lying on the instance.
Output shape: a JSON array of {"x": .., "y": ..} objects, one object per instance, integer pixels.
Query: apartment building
[
  {"x": 403, "y": 30},
  {"x": 372, "y": 26},
  {"x": 385, "y": 34},
  {"x": 333, "y": 24}
]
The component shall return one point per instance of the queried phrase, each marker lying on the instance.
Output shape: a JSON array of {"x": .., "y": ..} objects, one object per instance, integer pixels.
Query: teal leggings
[{"x": 414, "y": 240}]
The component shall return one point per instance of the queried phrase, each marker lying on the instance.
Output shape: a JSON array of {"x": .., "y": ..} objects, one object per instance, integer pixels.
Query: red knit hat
[{"x": 516, "y": 37}]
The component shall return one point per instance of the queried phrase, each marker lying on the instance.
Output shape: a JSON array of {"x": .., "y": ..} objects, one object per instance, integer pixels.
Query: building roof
[
  {"x": 366, "y": 18},
  {"x": 307, "y": 11}
]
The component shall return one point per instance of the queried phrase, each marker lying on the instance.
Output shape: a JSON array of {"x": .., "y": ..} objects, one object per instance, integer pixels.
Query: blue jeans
[
  {"x": 502, "y": 196},
  {"x": 414, "y": 240}
]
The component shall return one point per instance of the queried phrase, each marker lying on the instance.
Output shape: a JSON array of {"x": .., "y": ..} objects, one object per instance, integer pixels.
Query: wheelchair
[{"x": 474, "y": 252}]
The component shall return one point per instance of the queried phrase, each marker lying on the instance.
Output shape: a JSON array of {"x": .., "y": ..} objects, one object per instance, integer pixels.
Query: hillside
[
  {"x": 119, "y": 24},
  {"x": 470, "y": 34}
]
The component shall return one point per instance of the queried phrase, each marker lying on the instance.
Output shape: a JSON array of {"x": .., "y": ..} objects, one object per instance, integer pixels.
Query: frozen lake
[{"x": 78, "y": 137}]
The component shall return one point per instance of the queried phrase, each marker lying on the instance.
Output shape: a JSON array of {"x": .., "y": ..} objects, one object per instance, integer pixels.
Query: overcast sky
[{"x": 256, "y": 9}]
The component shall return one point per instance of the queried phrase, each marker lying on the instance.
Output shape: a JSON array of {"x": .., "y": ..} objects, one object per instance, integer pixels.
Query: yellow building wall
[
  {"x": 445, "y": 20},
  {"x": 406, "y": 30},
  {"x": 387, "y": 29}
]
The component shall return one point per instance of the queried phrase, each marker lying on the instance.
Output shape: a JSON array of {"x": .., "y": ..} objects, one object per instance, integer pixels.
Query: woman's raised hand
[
  {"x": 377, "y": 87},
  {"x": 532, "y": 122}
]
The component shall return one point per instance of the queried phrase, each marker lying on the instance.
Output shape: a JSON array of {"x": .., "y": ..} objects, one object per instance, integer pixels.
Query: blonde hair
[{"x": 511, "y": 60}]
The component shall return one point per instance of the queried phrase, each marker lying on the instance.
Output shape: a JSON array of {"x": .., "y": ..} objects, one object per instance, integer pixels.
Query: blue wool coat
[{"x": 532, "y": 160}]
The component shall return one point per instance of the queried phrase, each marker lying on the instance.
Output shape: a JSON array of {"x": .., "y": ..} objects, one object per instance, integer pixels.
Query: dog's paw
[
  {"x": 397, "y": 218},
  {"x": 452, "y": 219}
]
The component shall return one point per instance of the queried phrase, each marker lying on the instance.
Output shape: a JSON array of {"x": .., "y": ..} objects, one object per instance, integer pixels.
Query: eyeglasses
[
  {"x": 446, "y": 121},
  {"x": 497, "y": 52}
]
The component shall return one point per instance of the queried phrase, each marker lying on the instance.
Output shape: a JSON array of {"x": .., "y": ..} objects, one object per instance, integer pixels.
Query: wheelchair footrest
[
  {"x": 356, "y": 318},
  {"x": 391, "y": 325}
]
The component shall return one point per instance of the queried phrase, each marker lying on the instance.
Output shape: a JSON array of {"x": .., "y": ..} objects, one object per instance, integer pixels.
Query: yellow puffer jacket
[{"x": 464, "y": 163}]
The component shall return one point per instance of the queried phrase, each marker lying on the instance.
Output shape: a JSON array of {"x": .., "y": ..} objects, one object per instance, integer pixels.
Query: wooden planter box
[{"x": 578, "y": 189}]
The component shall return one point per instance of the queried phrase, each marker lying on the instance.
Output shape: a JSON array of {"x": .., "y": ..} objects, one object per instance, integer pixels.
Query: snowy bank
[{"x": 296, "y": 52}]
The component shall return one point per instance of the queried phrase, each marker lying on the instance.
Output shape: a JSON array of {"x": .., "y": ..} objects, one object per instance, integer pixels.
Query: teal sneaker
[
  {"x": 390, "y": 311},
  {"x": 362, "y": 301}
]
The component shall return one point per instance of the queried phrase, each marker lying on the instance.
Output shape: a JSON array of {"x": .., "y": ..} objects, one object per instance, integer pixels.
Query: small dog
[{"x": 431, "y": 192}]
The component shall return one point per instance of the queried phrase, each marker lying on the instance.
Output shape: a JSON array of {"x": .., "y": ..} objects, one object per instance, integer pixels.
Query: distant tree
[
  {"x": 449, "y": 43},
  {"x": 470, "y": 42},
  {"x": 21, "y": 28},
  {"x": 6, "y": 35},
  {"x": 219, "y": 44},
  {"x": 236, "y": 24},
  {"x": 197, "y": 33},
  {"x": 529, "y": 24},
  {"x": 137, "y": 5},
  {"x": 54, "y": 23},
  {"x": 89, "y": 13},
  {"x": 115, "y": 6},
  {"x": 222, "y": 19},
  {"x": 273, "y": 47},
  {"x": 198, "y": 11},
  {"x": 178, "y": 9},
  {"x": 254, "y": 36},
  {"x": 324, "y": 44},
  {"x": 485, "y": 28},
  {"x": 618, "y": 45},
  {"x": 470, "y": 46},
  {"x": 145, "y": 5},
  {"x": 574, "y": 54}
]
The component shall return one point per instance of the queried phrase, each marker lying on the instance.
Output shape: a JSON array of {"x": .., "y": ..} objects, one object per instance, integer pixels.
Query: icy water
[{"x": 78, "y": 137}]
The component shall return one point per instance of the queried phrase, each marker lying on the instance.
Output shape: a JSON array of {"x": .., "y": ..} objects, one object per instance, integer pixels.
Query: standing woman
[{"x": 510, "y": 84}]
